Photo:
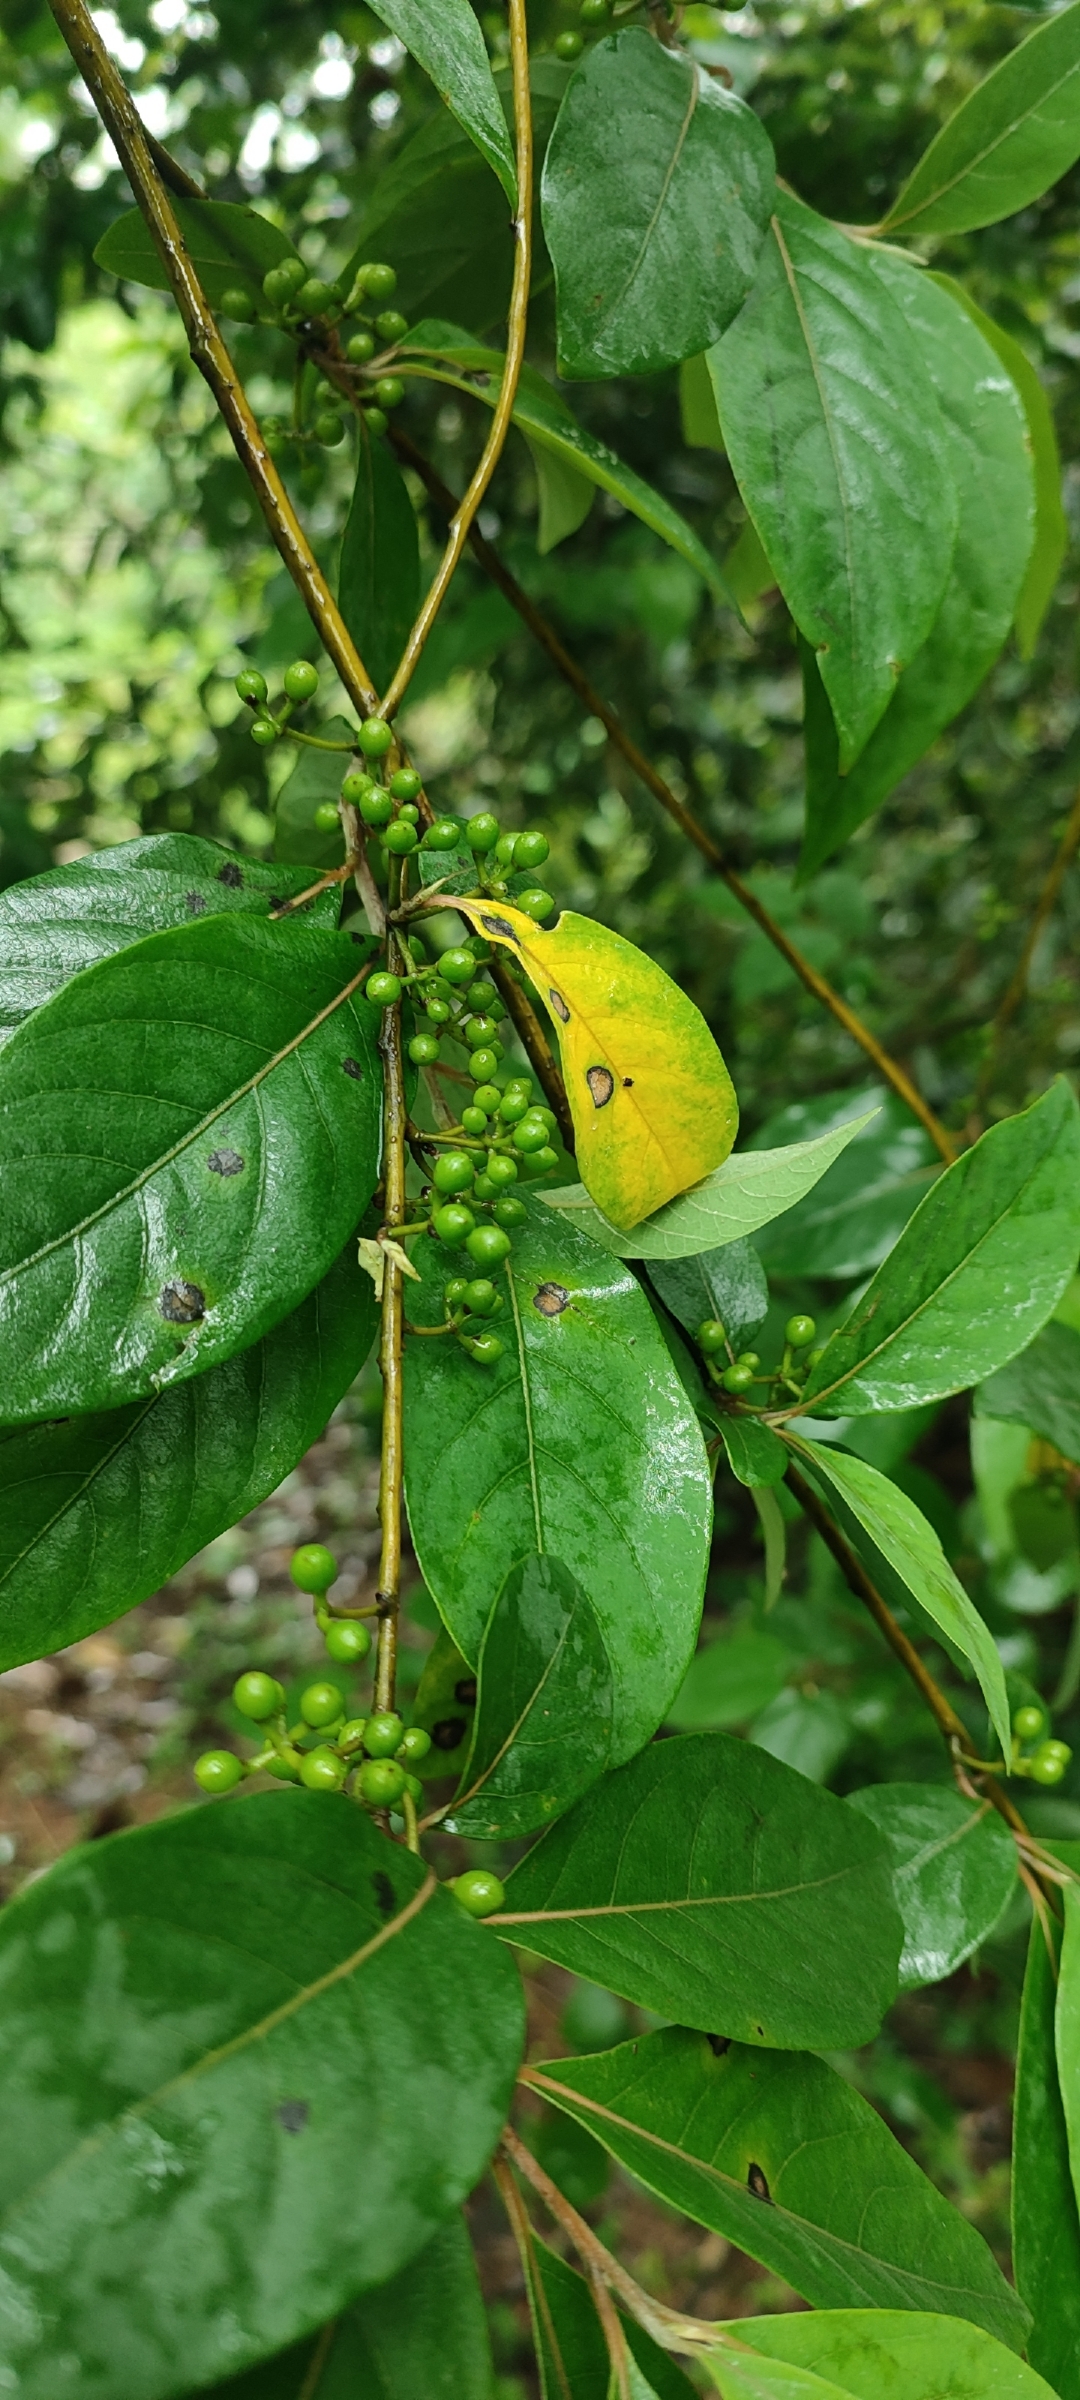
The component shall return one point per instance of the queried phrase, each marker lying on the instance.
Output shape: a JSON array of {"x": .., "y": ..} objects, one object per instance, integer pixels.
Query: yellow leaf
[{"x": 654, "y": 1107}]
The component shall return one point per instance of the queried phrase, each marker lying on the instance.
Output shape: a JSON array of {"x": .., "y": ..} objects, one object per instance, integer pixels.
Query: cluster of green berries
[
  {"x": 300, "y": 302},
  {"x": 389, "y": 809},
  {"x": 595, "y": 15},
  {"x": 300, "y": 683},
  {"x": 741, "y": 1372},
  {"x": 1047, "y": 1763}
]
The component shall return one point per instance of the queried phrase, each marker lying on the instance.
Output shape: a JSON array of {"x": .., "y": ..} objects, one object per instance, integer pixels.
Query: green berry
[
  {"x": 478, "y": 997},
  {"x": 321, "y": 1704},
  {"x": 455, "y": 1291},
  {"x": 513, "y": 1106},
  {"x": 480, "y": 1032},
  {"x": 408, "y": 815},
  {"x": 457, "y": 966},
  {"x": 359, "y": 348},
  {"x": 487, "y": 1096},
  {"x": 329, "y": 429},
  {"x": 710, "y": 1336},
  {"x": 488, "y": 1245},
  {"x": 383, "y": 989},
  {"x": 594, "y": 12},
  {"x": 326, "y": 818},
  {"x": 484, "y": 1189},
  {"x": 481, "y": 1297},
  {"x": 510, "y": 1211},
  {"x": 283, "y": 280},
  {"x": 485, "y": 1348},
  {"x": 251, "y": 685},
  {"x": 482, "y": 832},
  {"x": 424, "y": 1049},
  {"x": 376, "y": 807},
  {"x": 322, "y": 1771},
  {"x": 239, "y": 305},
  {"x": 547, "y": 1117},
  {"x": 524, "y": 1085},
  {"x": 799, "y": 1331},
  {"x": 478, "y": 1890},
  {"x": 1050, "y": 1762},
  {"x": 324, "y": 392},
  {"x": 357, "y": 785},
  {"x": 814, "y": 1357},
  {"x": 415, "y": 1744},
  {"x": 352, "y": 1733},
  {"x": 264, "y": 731},
  {"x": 406, "y": 784},
  {"x": 375, "y": 420},
  {"x": 439, "y": 1012},
  {"x": 502, "y": 1171},
  {"x": 314, "y": 296},
  {"x": 258, "y": 1696},
  {"x": 313, "y": 1568},
  {"x": 535, "y": 903},
  {"x": 453, "y": 1171},
  {"x": 542, "y": 1161},
  {"x": 443, "y": 835},
  {"x": 530, "y": 1135},
  {"x": 381, "y": 1781},
  {"x": 389, "y": 391},
  {"x": 453, "y": 1224},
  {"x": 218, "y": 1771},
  {"x": 346, "y": 1643},
  {"x": 568, "y": 45},
  {"x": 530, "y": 850},
  {"x": 385, "y": 1733},
  {"x": 483, "y": 1063},
  {"x": 379, "y": 282},
  {"x": 390, "y": 326},
  {"x": 301, "y": 680},
  {"x": 504, "y": 848},
  {"x": 376, "y": 737},
  {"x": 285, "y": 1765},
  {"x": 401, "y": 838},
  {"x": 474, "y": 1121},
  {"x": 737, "y": 1378},
  {"x": 1029, "y": 1722}
]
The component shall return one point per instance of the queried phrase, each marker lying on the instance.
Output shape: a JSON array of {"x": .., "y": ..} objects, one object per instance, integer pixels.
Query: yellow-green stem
[{"x": 392, "y": 1467}]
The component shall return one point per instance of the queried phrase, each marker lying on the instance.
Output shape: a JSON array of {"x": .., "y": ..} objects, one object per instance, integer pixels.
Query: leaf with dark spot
[
  {"x": 601, "y": 1083},
  {"x": 465, "y": 1691},
  {"x": 352, "y": 1066},
  {"x": 551, "y": 1299},
  {"x": 559, "y": 1006},
  {"x": 195, "y": 904},
  {"x": 448, "y": 1733},
  {"x": 231, "y": 875},
  {"x": 225, "y": 1162},
  {"x": 384, "y": 1892},
  {"x": 292, "y": 2115},
  {"x": 182, "y": 1303},
  {"x": 757, "y": 2182}
]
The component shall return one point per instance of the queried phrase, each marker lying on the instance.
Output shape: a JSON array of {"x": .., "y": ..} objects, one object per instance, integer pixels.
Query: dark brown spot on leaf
[
  {"x": 352, "y": 1066},
  {"x": 358, "y": 938},
  {"x": 448, "y": 1733},
  {"x": 292, "y": 2115},
  {"x": 601, "y": 1083},
  {"x": 628, "y": 1083},
  {"x": 498, "y": 925},
  {"x": 232, "y": 875},
  {"x": 225, "y": 1162},
  {"x": 465, "y": 1691},
  {"x": 276, "y": 900},
  {"x": 559, "y": 1006},
  {"x": 719, "y": 2044},
  {"x": 182, "y": 1303},
  {"x": 195, "y": 904},
  {"x": 384, "y": 1893},
  {"x": 551, "y": 1299},
  {"x": 757, "y": 2182}
]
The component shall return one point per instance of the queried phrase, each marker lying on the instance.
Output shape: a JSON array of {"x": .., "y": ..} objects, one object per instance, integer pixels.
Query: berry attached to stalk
[
  {"x": 799, "y": 1332},
  {"x": 1029, "y": 1722},
  {"x": 478, "y": 1891},
  {"x": 326, "y": 818},
  {"x": 313, "y": 1568},
  {"x": 375, "y": 737},
  {"x": 385, "y": 1734},
  {"x": 301, "y": 681},
  {"x": 321, "y": 1705},
  {"x": 453, "y": 1171},
  {"x": 347, "y": 1642},
  {"x": 1049, "y": 1762},
  {"x": 381, "y": 1781},
  {"x": 383, "y": 989},
  {"x": 258, "y": 1696},
  {"x": 217, "y": 1771},
  {"x": 322, "y": 1770}
]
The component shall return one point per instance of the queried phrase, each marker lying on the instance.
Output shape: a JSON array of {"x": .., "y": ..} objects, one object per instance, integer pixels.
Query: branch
[
  {"x": 1016, "y": 989},
  {"x": 122, "y": 122},
  {"x": 532, "y": 1034},
  {"x": 889, "y": 1068},
  {"x": 391, "y": 1470},
  {"x": 463, "y": 512}
]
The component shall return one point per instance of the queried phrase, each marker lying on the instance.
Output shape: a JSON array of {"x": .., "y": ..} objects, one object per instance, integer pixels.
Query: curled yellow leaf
[{"x": 654, "y": 1107}]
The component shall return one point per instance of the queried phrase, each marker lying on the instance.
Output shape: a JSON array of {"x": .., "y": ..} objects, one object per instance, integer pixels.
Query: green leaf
[
  {"x": 989, "y": 457},
  {"x": 317, "y": 775},
  {"x": 783, "y": 2158},
  {"x": 565, "y": 496},
  {"x": 54, "y": 925},
  {"x": 977, "y": 1271},
  {"x": 753, "y": 1452},
  {"x": 203, "y": 2019},
  {"x": 657, "y": 189},
  {"x": 423, "y": 2332},
  {"x": 697, "y": 406},
  {"x": 835, "y": 437},
  {"x": 954, "y": 1872},
  {"x": 1008, "y": 141},
  {"x": 855, "y": 1213},
  {"x": 445, "y": 1706},
  {"x": 689, "y": 1880},
  {"x": 444, "y": 37},
  {"x": 899, "y": 1532},
  {"x": 1040, "y": 1389},
  {"x": 1051, "y": 528},
  {"x": 1067, "y": 2029},
  {"x": 379, "y": 580},
  {"x": 547, "y": 423},
  {"x": 189, "y": 1132},
  {"x": 580, "y": 1442},
  {"x": 1045, "y": 2218},
  {"x": 230, "y": 248},
  {"x": 770, "y": 1517},
  {"x": 98, "y": 1511},
  {"x": 731, "y": 1680},
  {"x": 869, "y": 2354},
  {"x": 728, "y": 1283},
  {"x": 750, "y": 1188},
  {"x": 544, "y": 1708},
  {"x": 571, "y": 2351}
]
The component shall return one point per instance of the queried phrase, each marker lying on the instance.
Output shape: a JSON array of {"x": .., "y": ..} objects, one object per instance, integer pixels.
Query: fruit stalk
[{"x": 391, "y": 1471}]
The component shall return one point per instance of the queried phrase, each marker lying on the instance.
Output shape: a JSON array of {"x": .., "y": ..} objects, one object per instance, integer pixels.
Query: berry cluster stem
[
  {"x": 391, "y": 1341},
  {"x": 126, "y": 130},
  {"x": 534, "y": 1041}
]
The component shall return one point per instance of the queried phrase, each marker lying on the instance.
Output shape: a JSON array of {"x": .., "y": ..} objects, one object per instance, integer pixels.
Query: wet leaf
[
  {"x": 1045, "y": 2216},
  {"x": 444, "y": 37},
  {"x": 379, "y": 577},
  {"x": 748, "y": 1190},
  {"x": 1008, "y": 141},
  {"x": 317, "y": 775},
  {"x": 728, "y": 1284},
  {"x": 230, "y": 248},
  {"x": 1040, "y": 1389},
  {"x": 1051, "y": 528},
  {"x": 855, "y": 1213},
  {"x": 542, "y": 1733},
  {"x": 954, "y": 1872},
  {"x": 753, "y": 1452},
  {"x": 866, "y": 2353}
]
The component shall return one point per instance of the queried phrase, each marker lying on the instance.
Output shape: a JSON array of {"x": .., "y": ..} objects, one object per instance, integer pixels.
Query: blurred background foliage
[{"x": 135, "y": 580}]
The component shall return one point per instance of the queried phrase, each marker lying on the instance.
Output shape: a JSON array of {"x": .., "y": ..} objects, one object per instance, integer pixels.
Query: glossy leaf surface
[
  {"x": 866, "y": 2354},
  {"x": 188, "y": 1133},
  {"x": 565, "y": 497},
  {"x": 1041, "y": 1389},
  {"x": 571, "y": 2352},
  {"x": 712, "y": 1884},
  {"x": 579, "y": 1443},
  {"x": 748, "y": 1190},
  {"x": 423, "y": 2332},
  {"x": 989, "y": 459},
  {"x": 731, "y": 1679},
  {"x": 753, "y": 1452},
  {"x": 977, "y": 1271},
  {"x": 1011, "y": 139},
  {"x": 317, "y": 775},
  {"x": 900, "y": 1534},
  {"x": 850, "y": 1220},
  {"x": 728, "y": 1283},
  {"x": 444, "y": 37},
  {"x": 657, "y": 189},
  {"x": 544, "y": 1710},
  {"x": 230, "y": 248},
  {"x": 1051, "y": 529},
  {"x": 954, "y": 1872},
  {"x": 543, "y": 417},
  {"x": 835, "y": 436},
  {"x": 379, "y": 578},
  {"x": 1067, "y": 2028},
  {"x": 54, "y": 925},
  {"x": 782, "y": 2157},
  {"x": 1045, "y": 2216},
  {"x": 97, "y": 1512},
  {"x": 653, "y": 1105},
  {"x": 203, "y": 2018}
]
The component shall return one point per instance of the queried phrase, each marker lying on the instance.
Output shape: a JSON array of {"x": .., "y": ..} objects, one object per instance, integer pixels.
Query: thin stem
[
  {"x": 123, "y": 124},
  {"x": 532, "y": 1034},
  {"x": 889, "y": 1068},
  {"x": 1044, "y": 906},
  {"x": 517, "y": 326},
  {"x": 314, "y": 743},
  {"x": 617, "y": 2347},
  {"x": 391, "y": 1471},
  {"x": 334, "y": 875}
]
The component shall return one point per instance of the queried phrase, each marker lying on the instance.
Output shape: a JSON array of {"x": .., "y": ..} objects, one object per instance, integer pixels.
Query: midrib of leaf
[
  {"x": 74, "y": 1233},
  {"x": 664, "y": 190},
  {"x": 530, "y": 1704},
  {"x": 526, "y": 1394},
  {"x": 81, "y": 1490},
  {"x": 645, "y": 1908},
  {"x": 323, "y": 2347},
  {"x": 981, "y": 156},
  {"x": 811, "y": 352},
  {"x": 932, "y": 1850},
  {"x": 213, "y": 2059}
]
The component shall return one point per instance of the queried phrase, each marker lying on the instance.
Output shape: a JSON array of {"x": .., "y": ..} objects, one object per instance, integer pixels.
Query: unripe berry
[
  {"x": 326, "y": 818},
  {"x": 457, "y": 966},
  {"x": 501, "y": 1171},
  {"x": 443, "y": 835},
  {"x": 258, "y": 1696},
  {"x": 375, "y": 420},
  {"x": 453, "y": 1171},
  {"x": 359, "y": 348},
  {"x": 218, "y": 1771},
  {"x": 481, "y": 1297},
  {"x": 264, "y": 731},
  {"x": 478, "y": 1891},
  {"x": 389, "y": 391},
  {"x": 351, "y": 1734},
  {"x": 480, "y": 1032},
  {"x": 322, "y": 1771},
  {"x": 239, "y": 305},
  {"x": 529, "y": 1135},
  {"x": 383, "y": 989},
  {"x": 415, "y": 1789},
  {"x": 455, "y": 1291},
  {"x": 401, "y": 837},
  {"x": 482, "y": 832},
  {"x": 376, "y": 737},
  {"x": 488, "y": 1245},
  {"x": 321, "y": 1704},
  {"x": 357, "y": 785},
  {"x": 406, "y": 784},
  {"x": 710, "y": 1336},
  {"x": 314, "y": 296},
  {"x": 799, "y": 1331},
  {"x": 378, "y": 282},
  {"x": 285, "y": 1765},
  {"x": 1050, "y": 1762},
  {"x": 530, "y": 850},
  {"x": 535, "y": 903},
  {"x": 251, "y": 685},
  {"x": 487, "y": 1096},
  {"x": 483, "y": 1063},
  {"x": 568, "y": 45},
  {"x": 474, "y": 1121},
  {"x": 485, "y": 1348},
  {"x": 381, "y": 1781},
  {"x": 424, "y": 1049},
  {"x": 313, "y": 1568},
  {"x": 301, "y": 680},
  {"x": 329, "y": 429},
  {"x": 283, "y": 280},
  {"x": 453, "y": 1224},
  {"x": 594, "y": 12},
  {"x": 484, "y": 1189},
  {"x": 391, "y": 326},
  {"x": 376, "y": 807},
  {"x": 1029, "y": 1722},
  {"x": 748, "y": 1358},
  {"x": 542, "y": 1161},
  {"x": 737, "y": 1379},
  {"x": 415, "y": 1744},
  {"x": 385, "y": 1733},
  {"x": 346, "y": 1643},
  {"x": 510, "y": 1211}
]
